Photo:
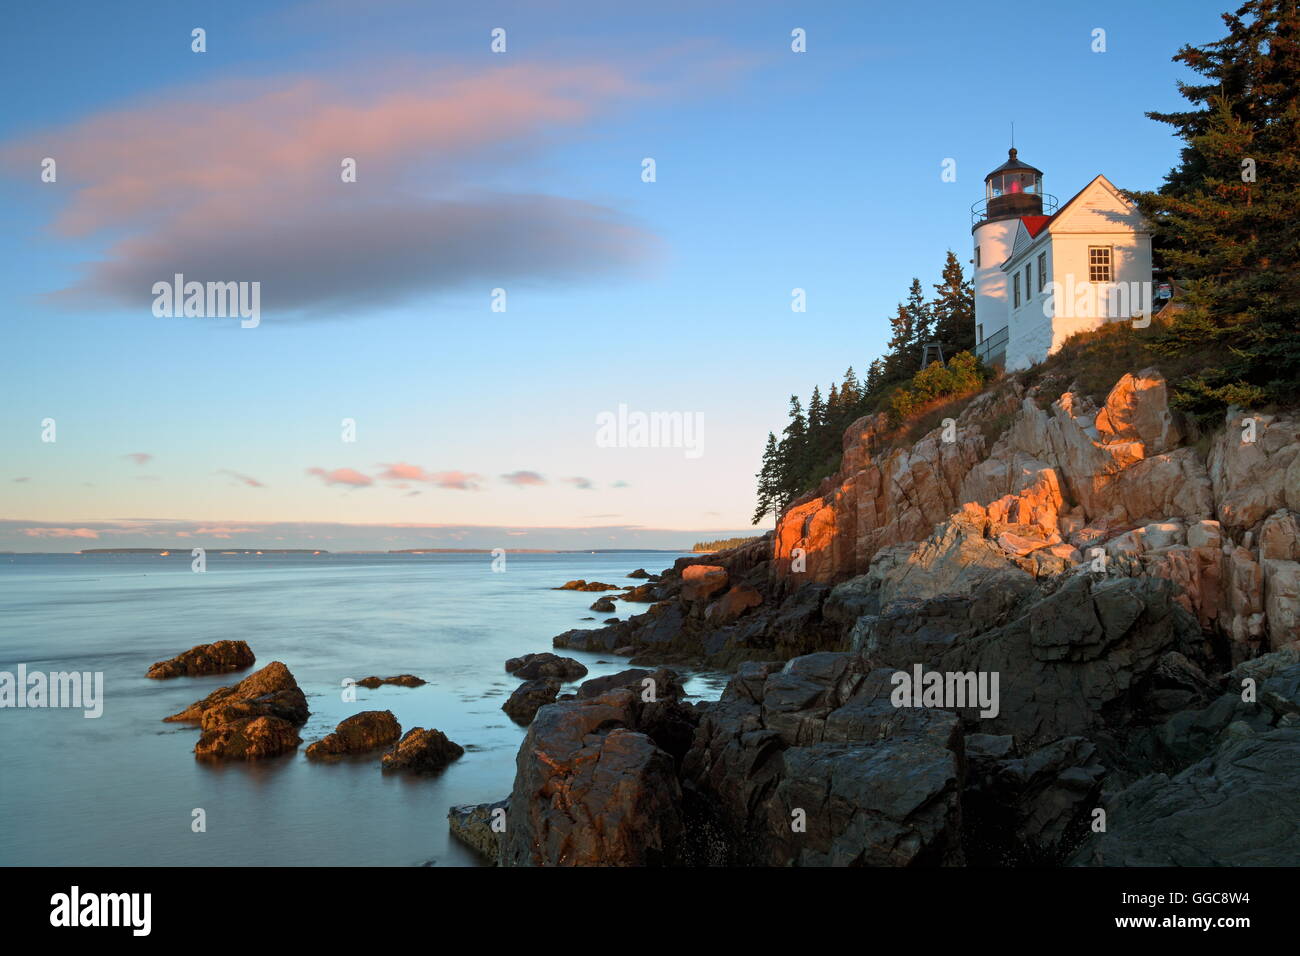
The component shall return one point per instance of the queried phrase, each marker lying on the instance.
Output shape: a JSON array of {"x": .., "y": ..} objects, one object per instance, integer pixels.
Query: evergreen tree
[
  {"x": 875, "y": 377},
  {"x": 816, "y": 412},
  {"x": 902, "y": 334},
  {"x": 953, "y": 310},
  {"x": 1225, "y": 220},
  {"x": 793, "y": 453},
  {"x": 849, "y": 389},
  {"x": 769, "y": 492},
  {"x": 922, "y": 322}
]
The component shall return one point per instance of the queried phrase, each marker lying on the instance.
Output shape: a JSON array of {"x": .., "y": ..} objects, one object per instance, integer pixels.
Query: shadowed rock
[
  {"x": 1238, "y": 807},
  {"x": 590, "y": 791},
  {"x": 401, "y": 680},
  {"x": 523, "y": 704},
  {"x": 479, "y": 826},
  {"x": 545, "y": 664}
]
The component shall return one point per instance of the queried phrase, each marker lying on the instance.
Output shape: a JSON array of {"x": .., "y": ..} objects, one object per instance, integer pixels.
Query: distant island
[
  {"x": 185, "y": 551},
  {"x": 722, "y": 544},
  {"x": 536, "y": 551}
]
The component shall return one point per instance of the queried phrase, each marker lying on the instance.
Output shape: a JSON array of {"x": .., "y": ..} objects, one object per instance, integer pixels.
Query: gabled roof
[{"x": 1034, "y": 224}]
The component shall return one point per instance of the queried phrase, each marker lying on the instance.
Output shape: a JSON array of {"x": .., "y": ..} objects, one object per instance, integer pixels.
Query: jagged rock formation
[
  {"x": 1065, "y": 478},
  {"x": 593, "y": 790},
  {"x": 1128, "y": 590},
  {"x": 258, "y": 717}
]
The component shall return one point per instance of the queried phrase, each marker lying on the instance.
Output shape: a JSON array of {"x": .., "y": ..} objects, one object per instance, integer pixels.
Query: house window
[
  {"x": 1028, "y": 288},
  {"x": 1042, "y": 271},
  {"x": 1015, "y": 285},
  {"x": 979, "y": 333},
  {"x": 1099, "y": 263},
  {"x": 977, "y": 257}
]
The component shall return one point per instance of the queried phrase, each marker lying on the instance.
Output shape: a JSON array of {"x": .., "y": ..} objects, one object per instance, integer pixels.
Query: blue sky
[{"x": 775, "y": 170}]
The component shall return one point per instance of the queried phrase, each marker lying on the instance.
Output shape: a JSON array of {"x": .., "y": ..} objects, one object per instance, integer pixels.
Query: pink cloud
[
  {"x": 582, "y": 483},
  {"x": 521, "y": 479},
  {"x": 403, "y": 472},
  {"x": 458, "y": 480},
  {"x": 342, "y": 476},
  {"x": 139, "y": 457},
  {"x": 234, "y": 181},
  {"x": 60, "y": 533}
]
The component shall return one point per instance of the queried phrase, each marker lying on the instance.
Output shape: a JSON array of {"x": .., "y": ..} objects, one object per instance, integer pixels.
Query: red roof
[{"x": 1034, "y": 224}]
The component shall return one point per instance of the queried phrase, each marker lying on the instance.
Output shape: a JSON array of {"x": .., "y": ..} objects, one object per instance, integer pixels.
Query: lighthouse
[
  {"x": 1043, "y": 274},
  {"x": 1011, "y": 192}
]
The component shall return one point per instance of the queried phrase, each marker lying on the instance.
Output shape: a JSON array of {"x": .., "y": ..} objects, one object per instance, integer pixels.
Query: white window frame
[{"x": 1095, "y": 266}]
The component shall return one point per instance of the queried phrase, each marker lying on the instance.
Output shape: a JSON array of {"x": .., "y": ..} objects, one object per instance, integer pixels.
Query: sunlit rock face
[{"x": 1067, "y": 486}]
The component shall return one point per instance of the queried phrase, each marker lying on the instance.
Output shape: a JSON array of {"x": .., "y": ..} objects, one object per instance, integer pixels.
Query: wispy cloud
[
  {"x": 59, "y": 532},
  {"x": 523, "y": 479},
  {"x": 342, "y": 476},
  {"x": 459, "y": 480},
  {"x": 583, "y": 483},
  {"x": 404, "y": 472},
  {"x": 245, "y": 479},
  {"x": 140, "y": 457}
]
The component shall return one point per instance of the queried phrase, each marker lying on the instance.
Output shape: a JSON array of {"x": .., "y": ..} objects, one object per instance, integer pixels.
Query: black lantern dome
[{"x": 1012, "y": 190}]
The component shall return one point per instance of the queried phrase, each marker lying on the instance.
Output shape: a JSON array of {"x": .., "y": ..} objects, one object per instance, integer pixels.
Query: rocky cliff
[
  {"x": 1063, "y": 479},
  {"x": 1047, "y": 632}
]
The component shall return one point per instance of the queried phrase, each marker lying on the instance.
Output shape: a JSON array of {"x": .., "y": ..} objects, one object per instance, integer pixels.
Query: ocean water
[{"x": 121, "y": 789}]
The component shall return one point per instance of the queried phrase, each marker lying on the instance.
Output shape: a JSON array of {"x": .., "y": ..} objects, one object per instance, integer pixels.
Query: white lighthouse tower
[{"x": 1012, "y": 191}]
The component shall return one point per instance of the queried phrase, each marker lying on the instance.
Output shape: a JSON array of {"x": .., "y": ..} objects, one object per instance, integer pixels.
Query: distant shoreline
[{"x": 183, "y": 551}]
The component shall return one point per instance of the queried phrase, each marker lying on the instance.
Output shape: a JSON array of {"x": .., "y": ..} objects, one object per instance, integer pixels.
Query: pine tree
[
  {"x": 768, "y": 482},
  {"x": 793, "y": 453},
  {"x": 849, "y": 389},
  {"x": 1225, "y": 221},
  {"x": 953, "y": 310},
  {"x": 922, "y": 321},
  {"x": 875, "y": 377},
  {"x": 816, "y": 412},
  {"x": 897, "y": 364}
]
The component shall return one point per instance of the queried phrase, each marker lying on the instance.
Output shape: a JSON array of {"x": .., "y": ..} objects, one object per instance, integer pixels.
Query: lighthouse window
[
  {"x": 1042, "y": 271},
  {"x": 1099, "y": 263},
  {"x": 977, "y": 257}
]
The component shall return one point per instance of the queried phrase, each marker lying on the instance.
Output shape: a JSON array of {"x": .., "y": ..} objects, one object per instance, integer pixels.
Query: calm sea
[{"x": 121, "y": 789}]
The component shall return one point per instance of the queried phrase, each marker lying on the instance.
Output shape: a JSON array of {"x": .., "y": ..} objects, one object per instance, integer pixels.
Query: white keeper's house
[{"x": 1043, "y": 273}]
